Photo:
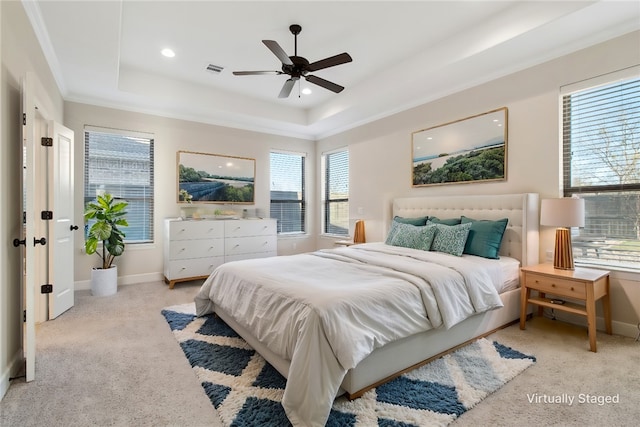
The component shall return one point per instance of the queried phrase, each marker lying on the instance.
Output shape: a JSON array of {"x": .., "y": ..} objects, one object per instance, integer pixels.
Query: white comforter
[{"x": 326, "y": 311}]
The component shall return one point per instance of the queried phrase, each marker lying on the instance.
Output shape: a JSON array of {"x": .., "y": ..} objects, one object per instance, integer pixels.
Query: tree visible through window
[
  {"x": 601, "y": 132},
  {"x": 121, "y": 163}
]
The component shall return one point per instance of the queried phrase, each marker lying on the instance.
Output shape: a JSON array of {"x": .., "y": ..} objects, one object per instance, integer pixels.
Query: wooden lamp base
[
  {"x": 563, "y": 253},
  {"x": 358, "y": 235}
]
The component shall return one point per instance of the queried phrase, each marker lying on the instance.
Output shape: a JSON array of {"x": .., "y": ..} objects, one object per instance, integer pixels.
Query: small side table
[
  {"x": 581, "y": 284},
  {"x": 344, "y": 242}
]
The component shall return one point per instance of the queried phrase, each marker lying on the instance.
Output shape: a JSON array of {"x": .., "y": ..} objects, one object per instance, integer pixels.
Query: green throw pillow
[
  {"x": 450, "y": 239},
  {"x": 414, "y": 237},
  {"x": 392, "y": 232},
  {"x": 485, "y": 237},
  {"x": 413, "y": 221},
  {"x": 446, "y": 221}
]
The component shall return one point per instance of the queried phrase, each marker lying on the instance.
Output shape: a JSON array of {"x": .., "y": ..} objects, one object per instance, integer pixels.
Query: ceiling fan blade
[
  {"x": 286, "y": 89},
  {"x": 278, "y": 51},
  {"x": 255, "y": 73},
  {"x": 332, "y": 61},
  {"x": 325, "y": 83}
]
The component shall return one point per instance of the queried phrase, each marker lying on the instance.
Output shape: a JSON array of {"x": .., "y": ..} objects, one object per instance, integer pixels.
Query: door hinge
[
  {"x": 24, "y": 315},
  {"x": 46, "y": 289},
  {"x": 46, "y": 141},
  {"x": 24, "y": 118},
  {"x": 46, "y": 215}
]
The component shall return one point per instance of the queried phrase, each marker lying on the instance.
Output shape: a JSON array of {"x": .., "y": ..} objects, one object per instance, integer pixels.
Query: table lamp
[{"x": 562, "y": 213}]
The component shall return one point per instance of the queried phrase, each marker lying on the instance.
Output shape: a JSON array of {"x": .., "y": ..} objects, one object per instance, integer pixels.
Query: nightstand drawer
[{"x": 556, "y": 286}]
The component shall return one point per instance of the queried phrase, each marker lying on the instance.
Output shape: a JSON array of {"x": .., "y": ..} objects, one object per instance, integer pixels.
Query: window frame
[
  {"x": 150, "y": 212},
  {"x": 302, "y": 201},
  {"x": 570, "y": 189},
  {"x": 326, "y": 199}
]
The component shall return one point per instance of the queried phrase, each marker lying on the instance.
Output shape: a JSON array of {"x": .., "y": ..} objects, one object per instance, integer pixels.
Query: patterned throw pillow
[
  {"x": 400, "y": 220},
  {"x": 392, "y": 232},
  {"x": 414, "y": 237},
  {"x": 451, "y": 239}
]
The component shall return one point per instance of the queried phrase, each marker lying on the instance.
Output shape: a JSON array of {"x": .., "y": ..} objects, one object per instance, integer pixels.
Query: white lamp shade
[{"x": 566, "y": 212}]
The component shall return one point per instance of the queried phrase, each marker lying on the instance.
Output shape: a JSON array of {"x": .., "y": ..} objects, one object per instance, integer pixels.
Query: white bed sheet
[{"x": 328, "y": 310}]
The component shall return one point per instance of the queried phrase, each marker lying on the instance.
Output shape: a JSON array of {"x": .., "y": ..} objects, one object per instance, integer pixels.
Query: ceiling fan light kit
[{"x": 296, "y": 66}]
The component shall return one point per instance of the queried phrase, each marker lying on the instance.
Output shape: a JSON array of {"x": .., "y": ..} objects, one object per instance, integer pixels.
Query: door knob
[
  {"x": 73, "y": 227},
  {"x": 18, "y": 242},
  {"x": 42, "y": 241}
]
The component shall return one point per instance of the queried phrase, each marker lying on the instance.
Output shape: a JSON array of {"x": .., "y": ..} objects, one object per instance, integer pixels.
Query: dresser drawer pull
[
  {"x": 183, "y": 249},
  {"x": 183, "y": 268},
  {"x": 553, "y": 285}
]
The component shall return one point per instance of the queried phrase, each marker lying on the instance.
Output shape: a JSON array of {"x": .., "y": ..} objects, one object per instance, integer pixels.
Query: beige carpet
[{"x": 112, "y": 361}]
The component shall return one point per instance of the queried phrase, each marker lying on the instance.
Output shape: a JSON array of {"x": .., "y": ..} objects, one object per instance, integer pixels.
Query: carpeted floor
[
  {"x": 247, "y": 391},
  {"x": 112, "y": 361}
]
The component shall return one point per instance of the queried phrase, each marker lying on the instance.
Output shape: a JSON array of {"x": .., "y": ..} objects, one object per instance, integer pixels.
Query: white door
[
  {"x": 62, "y": 225},
  {"x": 31, "y": 243}
]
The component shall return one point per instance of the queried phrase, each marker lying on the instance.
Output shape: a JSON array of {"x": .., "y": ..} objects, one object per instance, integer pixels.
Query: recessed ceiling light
[
  {"x": 306, "y": 91},
  {"x": 168, "y": 53}
]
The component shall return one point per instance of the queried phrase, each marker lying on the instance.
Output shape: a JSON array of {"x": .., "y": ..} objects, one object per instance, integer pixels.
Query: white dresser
[{"x": 193, "y": 249}]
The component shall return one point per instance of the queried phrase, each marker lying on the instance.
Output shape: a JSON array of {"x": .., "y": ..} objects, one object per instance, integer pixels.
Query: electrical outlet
[{"x": 549, "y": 255}]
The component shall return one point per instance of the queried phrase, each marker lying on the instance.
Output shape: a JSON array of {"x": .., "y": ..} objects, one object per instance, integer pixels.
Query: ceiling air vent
[{"x": 214, "y": 68}]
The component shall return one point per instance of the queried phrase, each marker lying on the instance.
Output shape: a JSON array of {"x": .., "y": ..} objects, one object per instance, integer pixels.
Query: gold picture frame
[
  {"x": 469, "y": 150},
  {"x": 215, "y": 178}
]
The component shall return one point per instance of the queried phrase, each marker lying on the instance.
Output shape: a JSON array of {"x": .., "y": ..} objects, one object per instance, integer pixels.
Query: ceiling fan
[{"x": 297, "y": 66}]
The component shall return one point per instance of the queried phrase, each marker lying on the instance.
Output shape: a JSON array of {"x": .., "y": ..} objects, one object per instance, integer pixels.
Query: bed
[{"x": 345, "y": 320}]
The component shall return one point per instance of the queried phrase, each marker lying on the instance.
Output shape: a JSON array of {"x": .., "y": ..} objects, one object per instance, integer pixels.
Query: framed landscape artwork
[
  {"x": 472, "y": 149},
  {"x": 215, "y": 178}
]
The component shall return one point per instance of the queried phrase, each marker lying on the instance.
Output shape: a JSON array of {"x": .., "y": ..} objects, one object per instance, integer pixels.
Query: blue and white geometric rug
[{"x": 246, "y": 390}]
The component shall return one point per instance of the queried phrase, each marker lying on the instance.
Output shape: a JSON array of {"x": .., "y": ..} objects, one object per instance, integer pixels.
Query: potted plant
[{"x": 109, "y": 215}]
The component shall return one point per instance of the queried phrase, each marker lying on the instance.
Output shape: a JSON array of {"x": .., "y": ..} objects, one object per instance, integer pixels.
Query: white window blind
[
  {"x": 121, "y": 163},
  {"x": 288, "y": 192},
  {"x": 336, "y": 193},
  {"x": 601, "y": 164}
]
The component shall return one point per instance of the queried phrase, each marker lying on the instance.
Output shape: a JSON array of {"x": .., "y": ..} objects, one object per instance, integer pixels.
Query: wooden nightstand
[{"x": 581, "y": 284}]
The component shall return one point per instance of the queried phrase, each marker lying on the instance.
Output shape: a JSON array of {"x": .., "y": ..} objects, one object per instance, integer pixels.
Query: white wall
[
  {"x": 144, "y": 262},
  {"x": 21, "y": 53},
  {"x": 380, "y": 152}
]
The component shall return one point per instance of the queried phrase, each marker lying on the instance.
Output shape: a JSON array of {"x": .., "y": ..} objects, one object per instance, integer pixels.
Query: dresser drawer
[
  {"x": 188, "y": 230},
  {"x": 179, "y": 269},
  {"x": 185, "y": 249},
  {"x": 249, "y": 227},
  {"x": 556, "y": 286},
  {"x": 249, "y": 245}
]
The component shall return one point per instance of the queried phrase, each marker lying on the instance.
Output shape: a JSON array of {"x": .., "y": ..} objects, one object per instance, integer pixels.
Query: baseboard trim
[
  {"x": 131, "y": 279},
  {"x": 12, "y": 370},
  {"x": 618, "y": 328}
]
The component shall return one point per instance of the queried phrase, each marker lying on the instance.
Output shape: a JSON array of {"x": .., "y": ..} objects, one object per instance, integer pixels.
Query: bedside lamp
[{"x": 562, "y": 213}]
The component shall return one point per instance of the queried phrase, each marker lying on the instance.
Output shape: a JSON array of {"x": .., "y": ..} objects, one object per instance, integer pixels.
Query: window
[
  {"x": 288, "y": 192},
  {"x": 336, "y": 193},
  {"x": 601, "y": 162},
  {"x": 121, "y": 163}
]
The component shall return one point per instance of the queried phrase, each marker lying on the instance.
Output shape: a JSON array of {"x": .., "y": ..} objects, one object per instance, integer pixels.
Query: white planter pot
[{"x": 104, "y": 282}]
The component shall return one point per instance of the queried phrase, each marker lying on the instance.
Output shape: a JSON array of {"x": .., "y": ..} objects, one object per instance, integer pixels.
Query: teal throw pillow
[
  {"x": 485, "y": 237},
  {"x": 446, "y": 221},
  {"x": 392, "y": 232},
  {"x": 413, "y": 221},
  {"x": 450, "y": 239},
  {"x": 414, "y": 237}
]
